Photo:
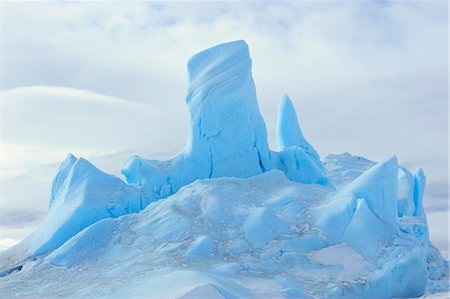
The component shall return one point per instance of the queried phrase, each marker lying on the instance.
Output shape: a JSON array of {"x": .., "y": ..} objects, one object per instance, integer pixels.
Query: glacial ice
[
  {"x": 405, "y": 193},
  {"x": 227, "y": 131},
  {"x": 419, "y": 186},
  {"x": 289, "y": 133},
  {"x": 60, "y": 178},
  {"x": 262, "y": 225},
  {"x": 375, "y": 192},
  {"x": 229, "y": 218},
  {"x": 81, "y": 195}
]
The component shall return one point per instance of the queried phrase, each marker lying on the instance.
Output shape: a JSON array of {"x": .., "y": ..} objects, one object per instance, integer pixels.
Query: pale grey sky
[{"x": 107, "y": 79}]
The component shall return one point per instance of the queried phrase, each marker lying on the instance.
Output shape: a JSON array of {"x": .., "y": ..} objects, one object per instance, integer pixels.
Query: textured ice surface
[
  {"x": 81, "y": 195},
  {"x": 296, "y": 157},
  {"x": 228, "y": 136},
  {"x": 290, "y": 135},
  {"x": 205, "y": 238},
  {"x": 373, "y": 194},
  {"x": 229, "y": 218}
]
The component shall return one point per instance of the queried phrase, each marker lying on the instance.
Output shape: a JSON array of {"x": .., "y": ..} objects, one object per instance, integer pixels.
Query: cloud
[
  {"x": 71, "y": 118},
  {"x": 22, "y": 217},
  {"x": 7, "y": 242}
]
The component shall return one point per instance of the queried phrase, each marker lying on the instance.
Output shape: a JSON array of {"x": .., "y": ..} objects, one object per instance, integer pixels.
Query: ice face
[
  {"x": 369, "y": 201},
  {"x": 405, "y": 192},
  {"x": 419, "y": 186},
  {"x": 227, "y": 130},
  {"x": 58, "y": 181},
  {"x": 88, "y": 196},
  {"x": 81, "y": 196}
]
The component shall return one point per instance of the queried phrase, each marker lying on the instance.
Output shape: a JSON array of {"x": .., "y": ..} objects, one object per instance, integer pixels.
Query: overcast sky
[{"x": 105, "y": 80}]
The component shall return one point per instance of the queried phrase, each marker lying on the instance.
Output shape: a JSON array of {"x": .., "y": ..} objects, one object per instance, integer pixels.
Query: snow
[
  {"x": 202, "y": 247},
  {"x": 229, "y": 218},
  {"x": 354, "y": 266},
  {"x": 204, "y": 291},
  {"x": 262, "y": 225},
  {"x": 84, "y": 245}
]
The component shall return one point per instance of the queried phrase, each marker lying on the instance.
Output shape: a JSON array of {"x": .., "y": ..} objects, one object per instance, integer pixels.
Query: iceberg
[{"x": 227, "y": 217}]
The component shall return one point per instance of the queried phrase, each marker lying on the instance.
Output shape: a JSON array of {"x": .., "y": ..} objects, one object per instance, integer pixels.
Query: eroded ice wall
[{"x": 228, "y": 136}]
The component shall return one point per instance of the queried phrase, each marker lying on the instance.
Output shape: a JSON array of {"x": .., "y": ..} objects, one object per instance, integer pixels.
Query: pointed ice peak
[
  {"x": 70, "y": 159},
  {"x": 85, "y": 164},
  {"x": 378, "y": 187},
  {"x": 67, "y": 163},
  {"x": 80, "y": 176},
  {"x": 289, "y": 132},
  {"x": 370, "y": 196},
  {"x": 83, "y": 169},
  {"x": 288, "y": 128},
  {"x": 61, "y": 176},
  {"x": 65, "y": 177}
]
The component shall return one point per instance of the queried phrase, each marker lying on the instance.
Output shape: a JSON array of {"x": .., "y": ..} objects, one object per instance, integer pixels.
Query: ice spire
[
  {"x": 296, "y": 157},
  {"x": 288, "y": 128},
  {"x": 228, "y": 134},
  {"x": 378, "y": 187},
  {"x": 289, "y": 132}
]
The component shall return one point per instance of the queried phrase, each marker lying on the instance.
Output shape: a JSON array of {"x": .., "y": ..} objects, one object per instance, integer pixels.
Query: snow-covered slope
[{"x": 229, "y": 218}]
